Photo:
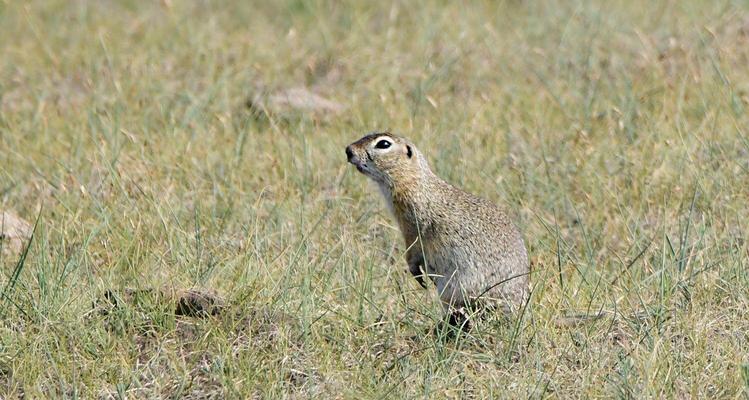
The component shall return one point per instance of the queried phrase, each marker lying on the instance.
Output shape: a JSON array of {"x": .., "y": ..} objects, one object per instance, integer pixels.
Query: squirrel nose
[{"x": 349, "y": 153}]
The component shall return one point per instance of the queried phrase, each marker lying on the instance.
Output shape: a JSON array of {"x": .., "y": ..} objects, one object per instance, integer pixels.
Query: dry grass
[{"x": 617, "y": 132}]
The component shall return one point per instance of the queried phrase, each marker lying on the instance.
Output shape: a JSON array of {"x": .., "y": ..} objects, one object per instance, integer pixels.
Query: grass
[{"x": 616, "y": 132}]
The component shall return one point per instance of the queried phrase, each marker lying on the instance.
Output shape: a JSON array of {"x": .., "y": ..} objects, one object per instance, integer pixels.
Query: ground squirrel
[{"x": 466, "y": 245}]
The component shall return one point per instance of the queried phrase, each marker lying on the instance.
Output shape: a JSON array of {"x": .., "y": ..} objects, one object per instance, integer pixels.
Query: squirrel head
[{"x": 386, "y": 158}]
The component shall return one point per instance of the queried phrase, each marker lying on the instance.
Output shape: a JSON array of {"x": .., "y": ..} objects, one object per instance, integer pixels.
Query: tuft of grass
[{"x": 614, "y": 131}]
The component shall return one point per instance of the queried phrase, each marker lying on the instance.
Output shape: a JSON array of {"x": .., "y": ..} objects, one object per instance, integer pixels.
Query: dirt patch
[{"x": 190, "y": 303}]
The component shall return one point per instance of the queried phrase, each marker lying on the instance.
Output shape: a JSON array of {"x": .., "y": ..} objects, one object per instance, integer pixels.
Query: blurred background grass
[{"x": 616, "y": 133}]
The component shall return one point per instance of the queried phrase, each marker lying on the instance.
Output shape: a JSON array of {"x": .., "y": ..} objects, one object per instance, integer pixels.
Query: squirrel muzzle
[{"x": 354, "y": 159}]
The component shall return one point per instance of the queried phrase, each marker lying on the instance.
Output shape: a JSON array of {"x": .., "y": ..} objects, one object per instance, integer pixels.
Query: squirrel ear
[{"x": 408, "y": 151}]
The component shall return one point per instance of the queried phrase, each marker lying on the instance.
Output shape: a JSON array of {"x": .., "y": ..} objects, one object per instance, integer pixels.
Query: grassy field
[{"x": 616, "y": 133}]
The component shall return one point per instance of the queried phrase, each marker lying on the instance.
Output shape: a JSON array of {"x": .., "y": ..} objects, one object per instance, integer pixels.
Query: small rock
[
  {"x": 193, "y": 303},
  {"x": 297, "y": 99},
  {"x": 14, "y": 232}
]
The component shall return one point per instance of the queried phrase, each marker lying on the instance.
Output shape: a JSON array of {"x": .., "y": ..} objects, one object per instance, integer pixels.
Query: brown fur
[{"x": 466, "y": 245}]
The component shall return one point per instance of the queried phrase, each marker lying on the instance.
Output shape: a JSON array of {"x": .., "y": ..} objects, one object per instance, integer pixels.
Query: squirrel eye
[{"x": 382, "y": 144}]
